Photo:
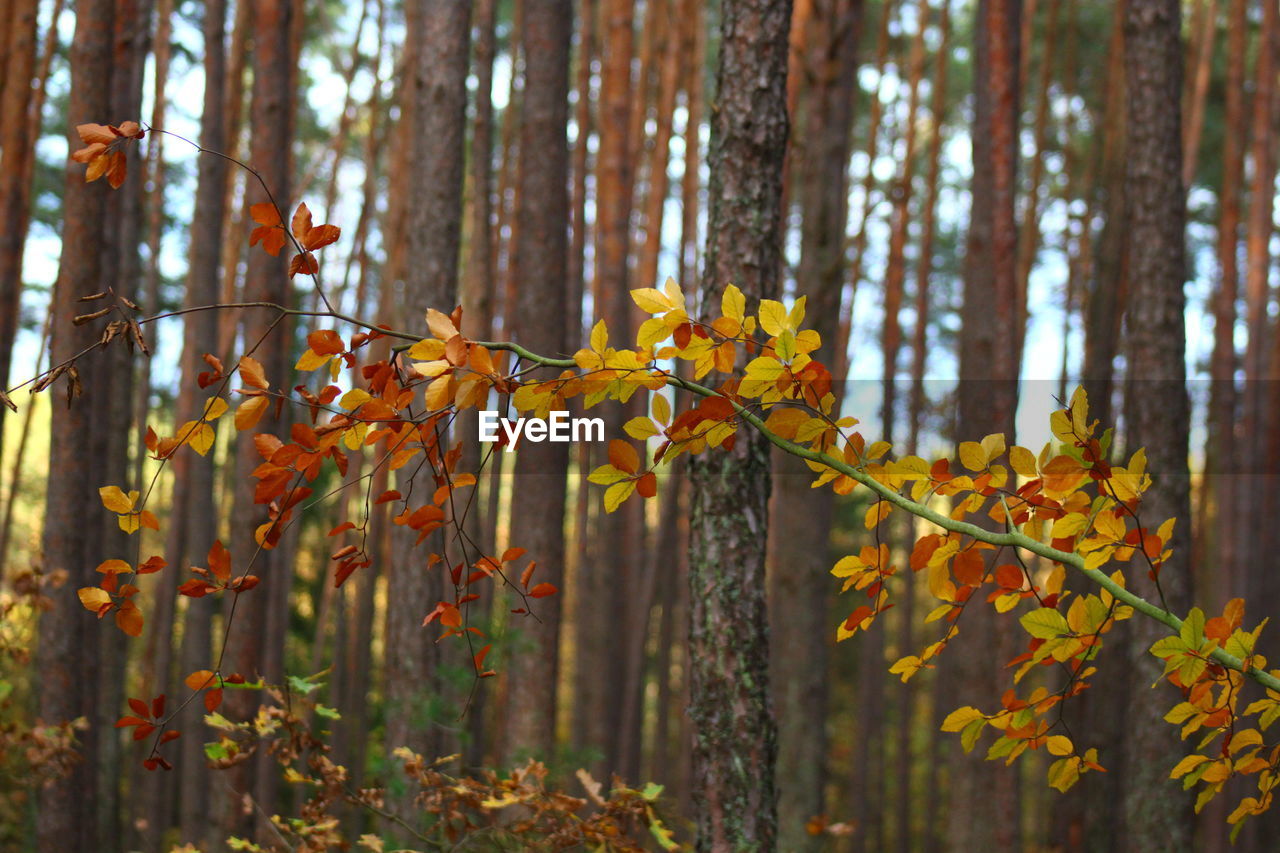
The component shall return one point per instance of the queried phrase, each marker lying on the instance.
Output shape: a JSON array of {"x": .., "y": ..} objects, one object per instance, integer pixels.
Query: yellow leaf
[
  {"x": 764, "y": 369},
  {"x": 733, "y": 304},
  {"x": 355, "y": 397},
  {"x": 599, "y": 336},
  {"x": 773, "y": 317},
  {"x": 93, "y": 598},
  {"x": 1023, "y": 461},
  {"x": 651, "y": 300},
  {"x": 796, "y": 315},
  {"x": 427, "y": 349},
  {"x": 993, "y": 446},
  {"x": 1059, "y": 745},
  {"x": 640, "y": 428},
  {"x": 310, "y": 360},
  {"x": 129, "y": 522},
  {"x": 438, "y": 395},
  {"x": 1069, "y": 525},
  {"x": 214, "y": 408},
  {"x": 200, "y": 437},
  {"x": 431, "y": 369},
  {"x": 652, "y": 332},
  {"x": 961, "y": 717},
  {"x": 972, "y": 455},
  {"x": 617, "y": 493},
  {"x": 661, "y": 409},
  {"x": 673, "y": 292},
  {"x": 116, "y": 500}
]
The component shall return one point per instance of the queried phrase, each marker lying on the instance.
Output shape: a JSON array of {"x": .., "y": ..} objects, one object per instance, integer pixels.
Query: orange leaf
[
  {"x": 969, "y": 567},
  {"x": 647, "y": 485},
  {"x": 212, "y": 699},
  {"x": 325, "y": 342},
  {"x": 305, "y": 263},
  {"x": 623, "y": 456},
  {"x": 252, "y": 373},
  {"x": 94, "y": 598},
  {"x": 250, "y": 412},
  {"x": 219, "y": 560},
  {"x": 129, "y": 619},
  {"x": 199, "y": 679},
  {"x": 270, "y": 230},
  {"x": 527, "y": 574},
  {"x": 542, "y": 590}
]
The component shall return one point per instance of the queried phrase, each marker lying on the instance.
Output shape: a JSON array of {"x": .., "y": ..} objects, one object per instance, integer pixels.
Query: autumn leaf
[
  {"x": 310, "y": 237},
  {"x": 104, "y": 150},
  {"x": 270, "y": 231}
]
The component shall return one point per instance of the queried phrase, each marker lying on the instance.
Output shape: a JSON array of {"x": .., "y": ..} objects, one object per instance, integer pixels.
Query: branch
[{"x": 1016, "y": 540}]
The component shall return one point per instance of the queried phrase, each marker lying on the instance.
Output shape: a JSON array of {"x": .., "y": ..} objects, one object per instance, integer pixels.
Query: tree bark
[
  {"x": 265, "y": 339},
  {"x": 800, "y": 517},
  {"x": 1157, "y": 814},
  {"x": 66, "y": 655},
  {"x": 984, "y": 810},
  {"x": 538, "y": 511},
  {"x": 420, "y": 701},
  {"x": 735, "y": 744}
]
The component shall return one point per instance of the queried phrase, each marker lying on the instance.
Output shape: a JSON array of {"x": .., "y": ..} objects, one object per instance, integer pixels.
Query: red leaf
[
  {"x": 139, "y": 707},
  {"x": 542, "y": 590}
]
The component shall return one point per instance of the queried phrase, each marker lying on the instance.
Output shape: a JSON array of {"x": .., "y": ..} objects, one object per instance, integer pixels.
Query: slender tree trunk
[
  {"x": 66, "y": 656},
  {"x": 1254, "y": 498},
  {"x": 874, "y": 114},
  {"x": 1204, "y": 31},
  {"x": 17, "y": 141},
  {"x": 1219, "y": 464},
  {"x": 1108, "y": 287},
  {"x": 735, "y": 745},
  {"x": 984, "y": 811},
  {"x": 537, "y": 514},
  {"x": 607, "y": 575},
  {"x": 1157, "y": 815},
  {"x": 420, "y": 701},
  {"x": 265, "y": 338},
  {"x": 800, "y": 516},
  {"x": 194, "y": 479}
]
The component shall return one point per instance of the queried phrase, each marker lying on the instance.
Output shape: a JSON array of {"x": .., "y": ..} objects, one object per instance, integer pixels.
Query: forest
[{"x": 627, "y": 425}]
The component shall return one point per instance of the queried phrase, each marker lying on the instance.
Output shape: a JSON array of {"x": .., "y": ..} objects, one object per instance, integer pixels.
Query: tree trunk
[
  {"x": 66, "y": 655},
  {"x": 537, "y": 514},
  {"x": 734, "y": 732},
  {"x": 984, "y": 809},
  {"x": 1157, "y": 814},
  {"x": 800, "y": 516},
  {"x": 420, "y": 703},
  {"x": 265, "y": 339},
  {"x": 17, "y": 141},
  {"x": 194, "y": 481}
]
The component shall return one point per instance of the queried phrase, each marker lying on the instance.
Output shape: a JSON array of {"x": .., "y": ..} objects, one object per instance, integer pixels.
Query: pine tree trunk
[
  {"x": 800, "y": 517},
  {"x": 537, "y": 514},
  {"x": 421, "y": 702},
  {"x": 66, "y": 655},
  {"x": 735, "y": 739},
  {"x": 265, "y": 339},
  {"x": 984, "y": 810},
  {"x": 17, "y": 141},
  {"x": 1157, "y": 815}
]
